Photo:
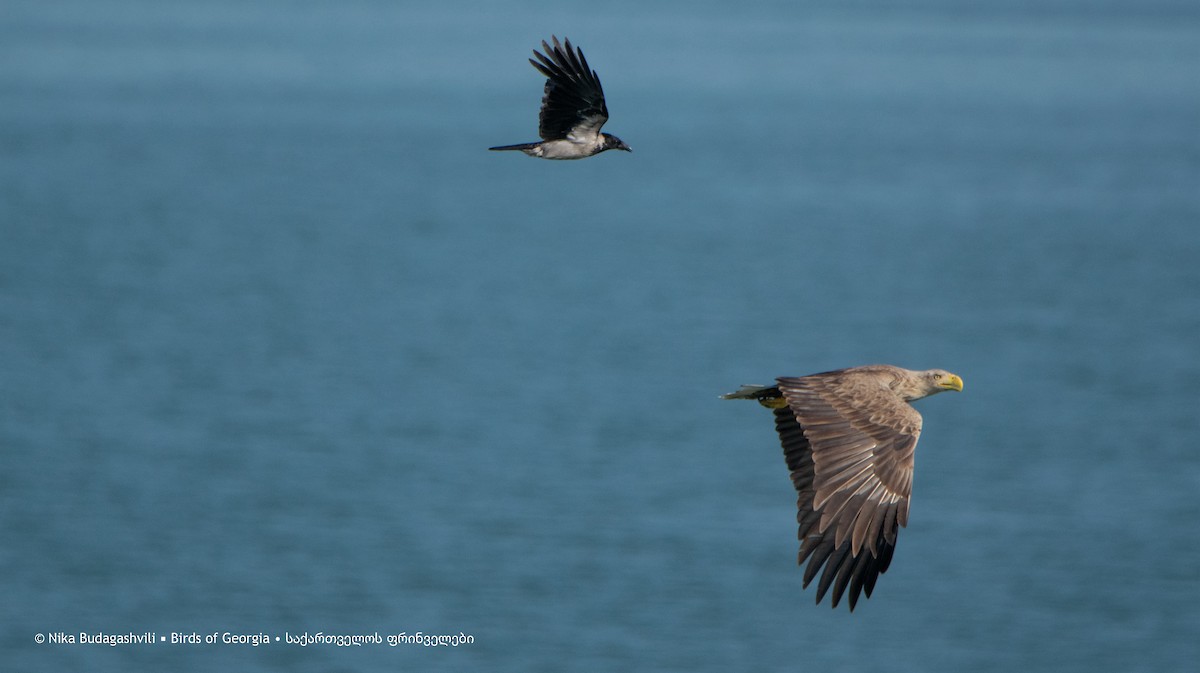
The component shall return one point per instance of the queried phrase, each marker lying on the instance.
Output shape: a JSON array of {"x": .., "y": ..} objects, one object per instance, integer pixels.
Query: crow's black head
[{"x": 612, "y": 142}]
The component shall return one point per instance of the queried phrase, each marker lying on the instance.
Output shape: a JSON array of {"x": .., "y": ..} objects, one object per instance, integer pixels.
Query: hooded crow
[{"x": 573, "y": 108}]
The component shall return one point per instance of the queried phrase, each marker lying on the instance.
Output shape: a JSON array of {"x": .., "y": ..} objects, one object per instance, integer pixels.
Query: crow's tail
[{"x": 522, "y": 147}]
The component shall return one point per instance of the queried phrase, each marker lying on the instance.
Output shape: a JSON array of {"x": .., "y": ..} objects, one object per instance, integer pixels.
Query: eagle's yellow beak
[{"x": 952, "y": 382}]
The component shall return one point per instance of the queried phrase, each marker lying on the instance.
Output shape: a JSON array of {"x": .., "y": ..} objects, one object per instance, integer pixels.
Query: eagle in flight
[{"x": 849, "y": 437}]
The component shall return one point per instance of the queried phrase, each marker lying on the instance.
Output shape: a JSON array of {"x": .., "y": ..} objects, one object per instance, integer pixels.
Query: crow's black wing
[{"x": 573, "y": 104}]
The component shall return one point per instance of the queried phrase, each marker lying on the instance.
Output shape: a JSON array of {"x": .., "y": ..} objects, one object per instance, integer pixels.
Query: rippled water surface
[{"x": 284, "y": 350}]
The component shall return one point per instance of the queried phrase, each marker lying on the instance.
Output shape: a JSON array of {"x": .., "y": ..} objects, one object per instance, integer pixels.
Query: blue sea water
[{"x": 285, "y": 350}]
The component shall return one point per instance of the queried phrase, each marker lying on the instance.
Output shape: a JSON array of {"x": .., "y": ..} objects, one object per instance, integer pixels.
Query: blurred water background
[{"x": 283, "y": 348}]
